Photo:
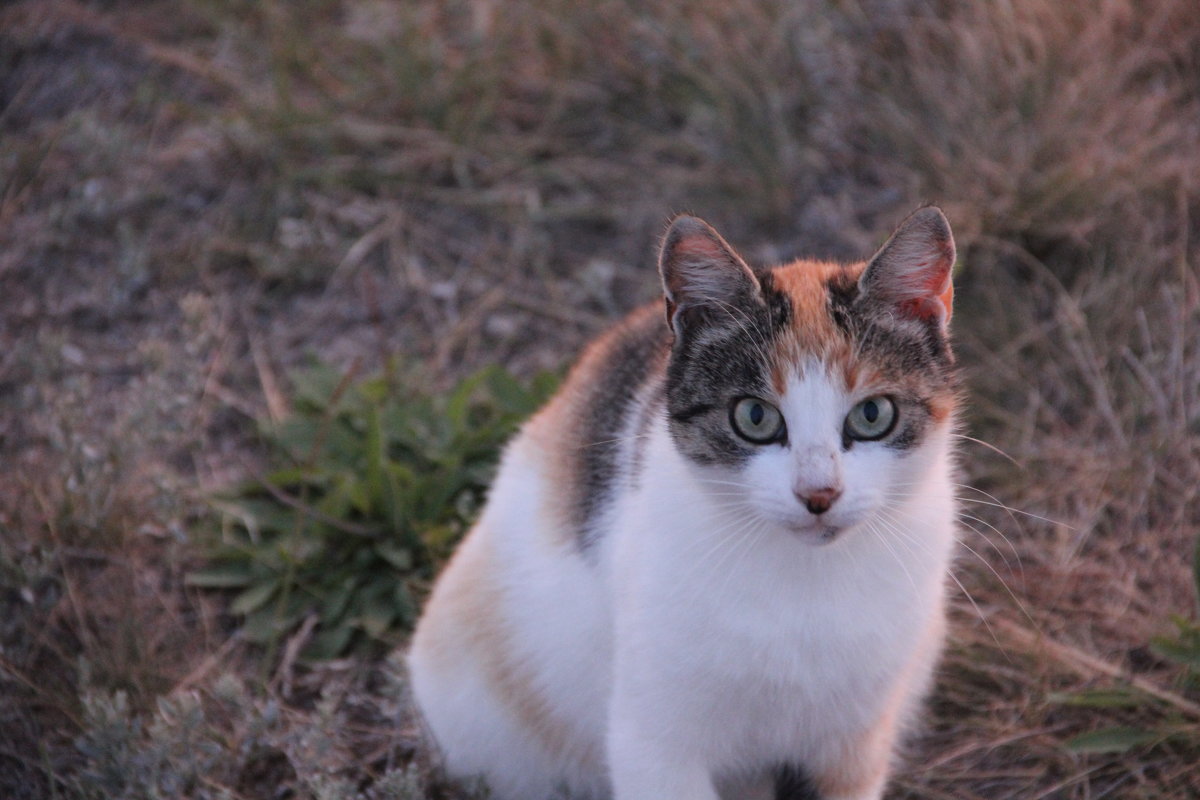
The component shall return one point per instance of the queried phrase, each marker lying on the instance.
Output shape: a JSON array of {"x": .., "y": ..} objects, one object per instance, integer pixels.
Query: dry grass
[{"x": 195, "y": 197}]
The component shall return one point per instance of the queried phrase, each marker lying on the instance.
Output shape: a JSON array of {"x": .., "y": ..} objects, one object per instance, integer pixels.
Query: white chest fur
[
  {"x": 747, "y": 646},
  {"x": 696, "y": 647}
]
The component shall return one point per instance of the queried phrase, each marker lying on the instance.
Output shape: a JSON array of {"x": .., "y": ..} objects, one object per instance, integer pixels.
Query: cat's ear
[
  {"x": 702, "y": 276},
  {"x": 911, "y": 272}
]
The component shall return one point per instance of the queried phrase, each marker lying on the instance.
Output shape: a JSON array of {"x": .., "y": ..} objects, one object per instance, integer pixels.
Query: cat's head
[{"x": 814, "y": 396}]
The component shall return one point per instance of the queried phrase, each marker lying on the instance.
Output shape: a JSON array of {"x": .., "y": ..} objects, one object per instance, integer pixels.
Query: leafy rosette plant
[{"x": 375, "y": 480}]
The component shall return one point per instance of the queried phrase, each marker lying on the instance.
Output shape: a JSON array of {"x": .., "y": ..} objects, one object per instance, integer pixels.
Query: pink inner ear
[
  {"x": 696, "y": 254},
  {"x": 930, "y": 306},
  {"x": 701, "y": 247},
  {"x": 912, "y": 270}
]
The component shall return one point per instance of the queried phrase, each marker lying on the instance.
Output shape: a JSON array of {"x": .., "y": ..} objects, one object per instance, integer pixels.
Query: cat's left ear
[
  {"x": 703, "y": 278},
  {"x": 911, "y": 272}
]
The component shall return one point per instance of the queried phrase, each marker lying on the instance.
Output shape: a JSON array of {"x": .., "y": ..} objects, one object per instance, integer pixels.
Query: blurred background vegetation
[{"x": 254, "y": 255}]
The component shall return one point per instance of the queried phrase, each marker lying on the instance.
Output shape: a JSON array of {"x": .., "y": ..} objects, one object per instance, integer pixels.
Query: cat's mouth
[{"x": 817, "y": 533}]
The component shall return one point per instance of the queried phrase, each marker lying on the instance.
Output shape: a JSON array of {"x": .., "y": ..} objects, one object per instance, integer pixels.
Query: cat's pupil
[
  {"x": 757, "y": 414},
  {"x": 870, "y": 411}
]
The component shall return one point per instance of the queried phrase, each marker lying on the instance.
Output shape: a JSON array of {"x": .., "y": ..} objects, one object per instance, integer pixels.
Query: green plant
[
  {"x": 1179, "y": 719},
  {"x": 377, "y": 481}
]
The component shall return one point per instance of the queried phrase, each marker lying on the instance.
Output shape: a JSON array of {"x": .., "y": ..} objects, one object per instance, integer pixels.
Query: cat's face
[{"x": 812, "y": 397}]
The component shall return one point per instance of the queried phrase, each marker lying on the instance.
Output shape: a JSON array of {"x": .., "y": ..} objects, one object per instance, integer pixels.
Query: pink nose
[{"x": 818, "y": 501}]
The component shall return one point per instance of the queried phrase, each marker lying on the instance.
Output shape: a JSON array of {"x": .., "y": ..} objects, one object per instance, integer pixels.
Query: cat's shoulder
[
  {"x": 589, "y": 434},
  {"x": 614, "y": 363}
]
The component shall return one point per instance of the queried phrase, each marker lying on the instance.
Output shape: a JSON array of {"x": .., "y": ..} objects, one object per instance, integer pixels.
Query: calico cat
[{"x": 713, "y": 565}]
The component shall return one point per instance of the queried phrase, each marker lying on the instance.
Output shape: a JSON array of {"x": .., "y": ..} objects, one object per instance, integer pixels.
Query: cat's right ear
[
  {"x": 702, "y": 276},
  {"x": 910, "y": 275}
]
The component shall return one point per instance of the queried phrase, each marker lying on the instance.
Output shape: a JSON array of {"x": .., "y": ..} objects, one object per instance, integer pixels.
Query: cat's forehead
[
  {"x": 817, "y": 295},
  {"x": 807, "y": 286}
]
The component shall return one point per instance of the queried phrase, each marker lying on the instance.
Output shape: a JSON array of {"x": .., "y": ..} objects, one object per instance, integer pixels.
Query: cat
[{"x": 714, "y": 564}]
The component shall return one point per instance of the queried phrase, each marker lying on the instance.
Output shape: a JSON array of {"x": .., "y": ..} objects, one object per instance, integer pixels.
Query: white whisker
[
  {"x": 614, "y": 440},
  {"x": 989, "y": 446},
  {"x": 1008, "y": 589},
  {"x": 883, "y": 540}
]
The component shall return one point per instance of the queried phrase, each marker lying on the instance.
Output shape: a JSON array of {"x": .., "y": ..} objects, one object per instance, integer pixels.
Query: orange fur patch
[
  {"x": 813, "y": 331},
  {"x": 558, "y": 434},
  {"x": 941, "y": 407},
  {"x": 947, "y": 298},
  {"x": 559, "y": 474}
]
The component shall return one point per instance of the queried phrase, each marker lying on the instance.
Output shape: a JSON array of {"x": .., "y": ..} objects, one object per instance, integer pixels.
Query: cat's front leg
[
  {"x": 858, "y": 768},
  {"x": 644, "y": 767}
]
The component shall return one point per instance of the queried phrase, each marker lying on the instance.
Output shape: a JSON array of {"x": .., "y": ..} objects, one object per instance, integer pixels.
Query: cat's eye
[
  {"x": 756, "y": 420},
  {"x": 871, "y": 419}
]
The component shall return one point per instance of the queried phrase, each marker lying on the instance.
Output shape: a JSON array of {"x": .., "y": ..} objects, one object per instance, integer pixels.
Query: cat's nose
[{"x": 818, "y": 501}]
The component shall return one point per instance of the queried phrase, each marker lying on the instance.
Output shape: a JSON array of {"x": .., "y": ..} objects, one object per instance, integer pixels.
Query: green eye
[
  {"x": 871, "y": 419},
  {"x": 756, "y": 420}
]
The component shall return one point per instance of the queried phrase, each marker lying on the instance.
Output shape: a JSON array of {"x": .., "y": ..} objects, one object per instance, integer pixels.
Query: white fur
[{"x": 717, "y": 629}]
